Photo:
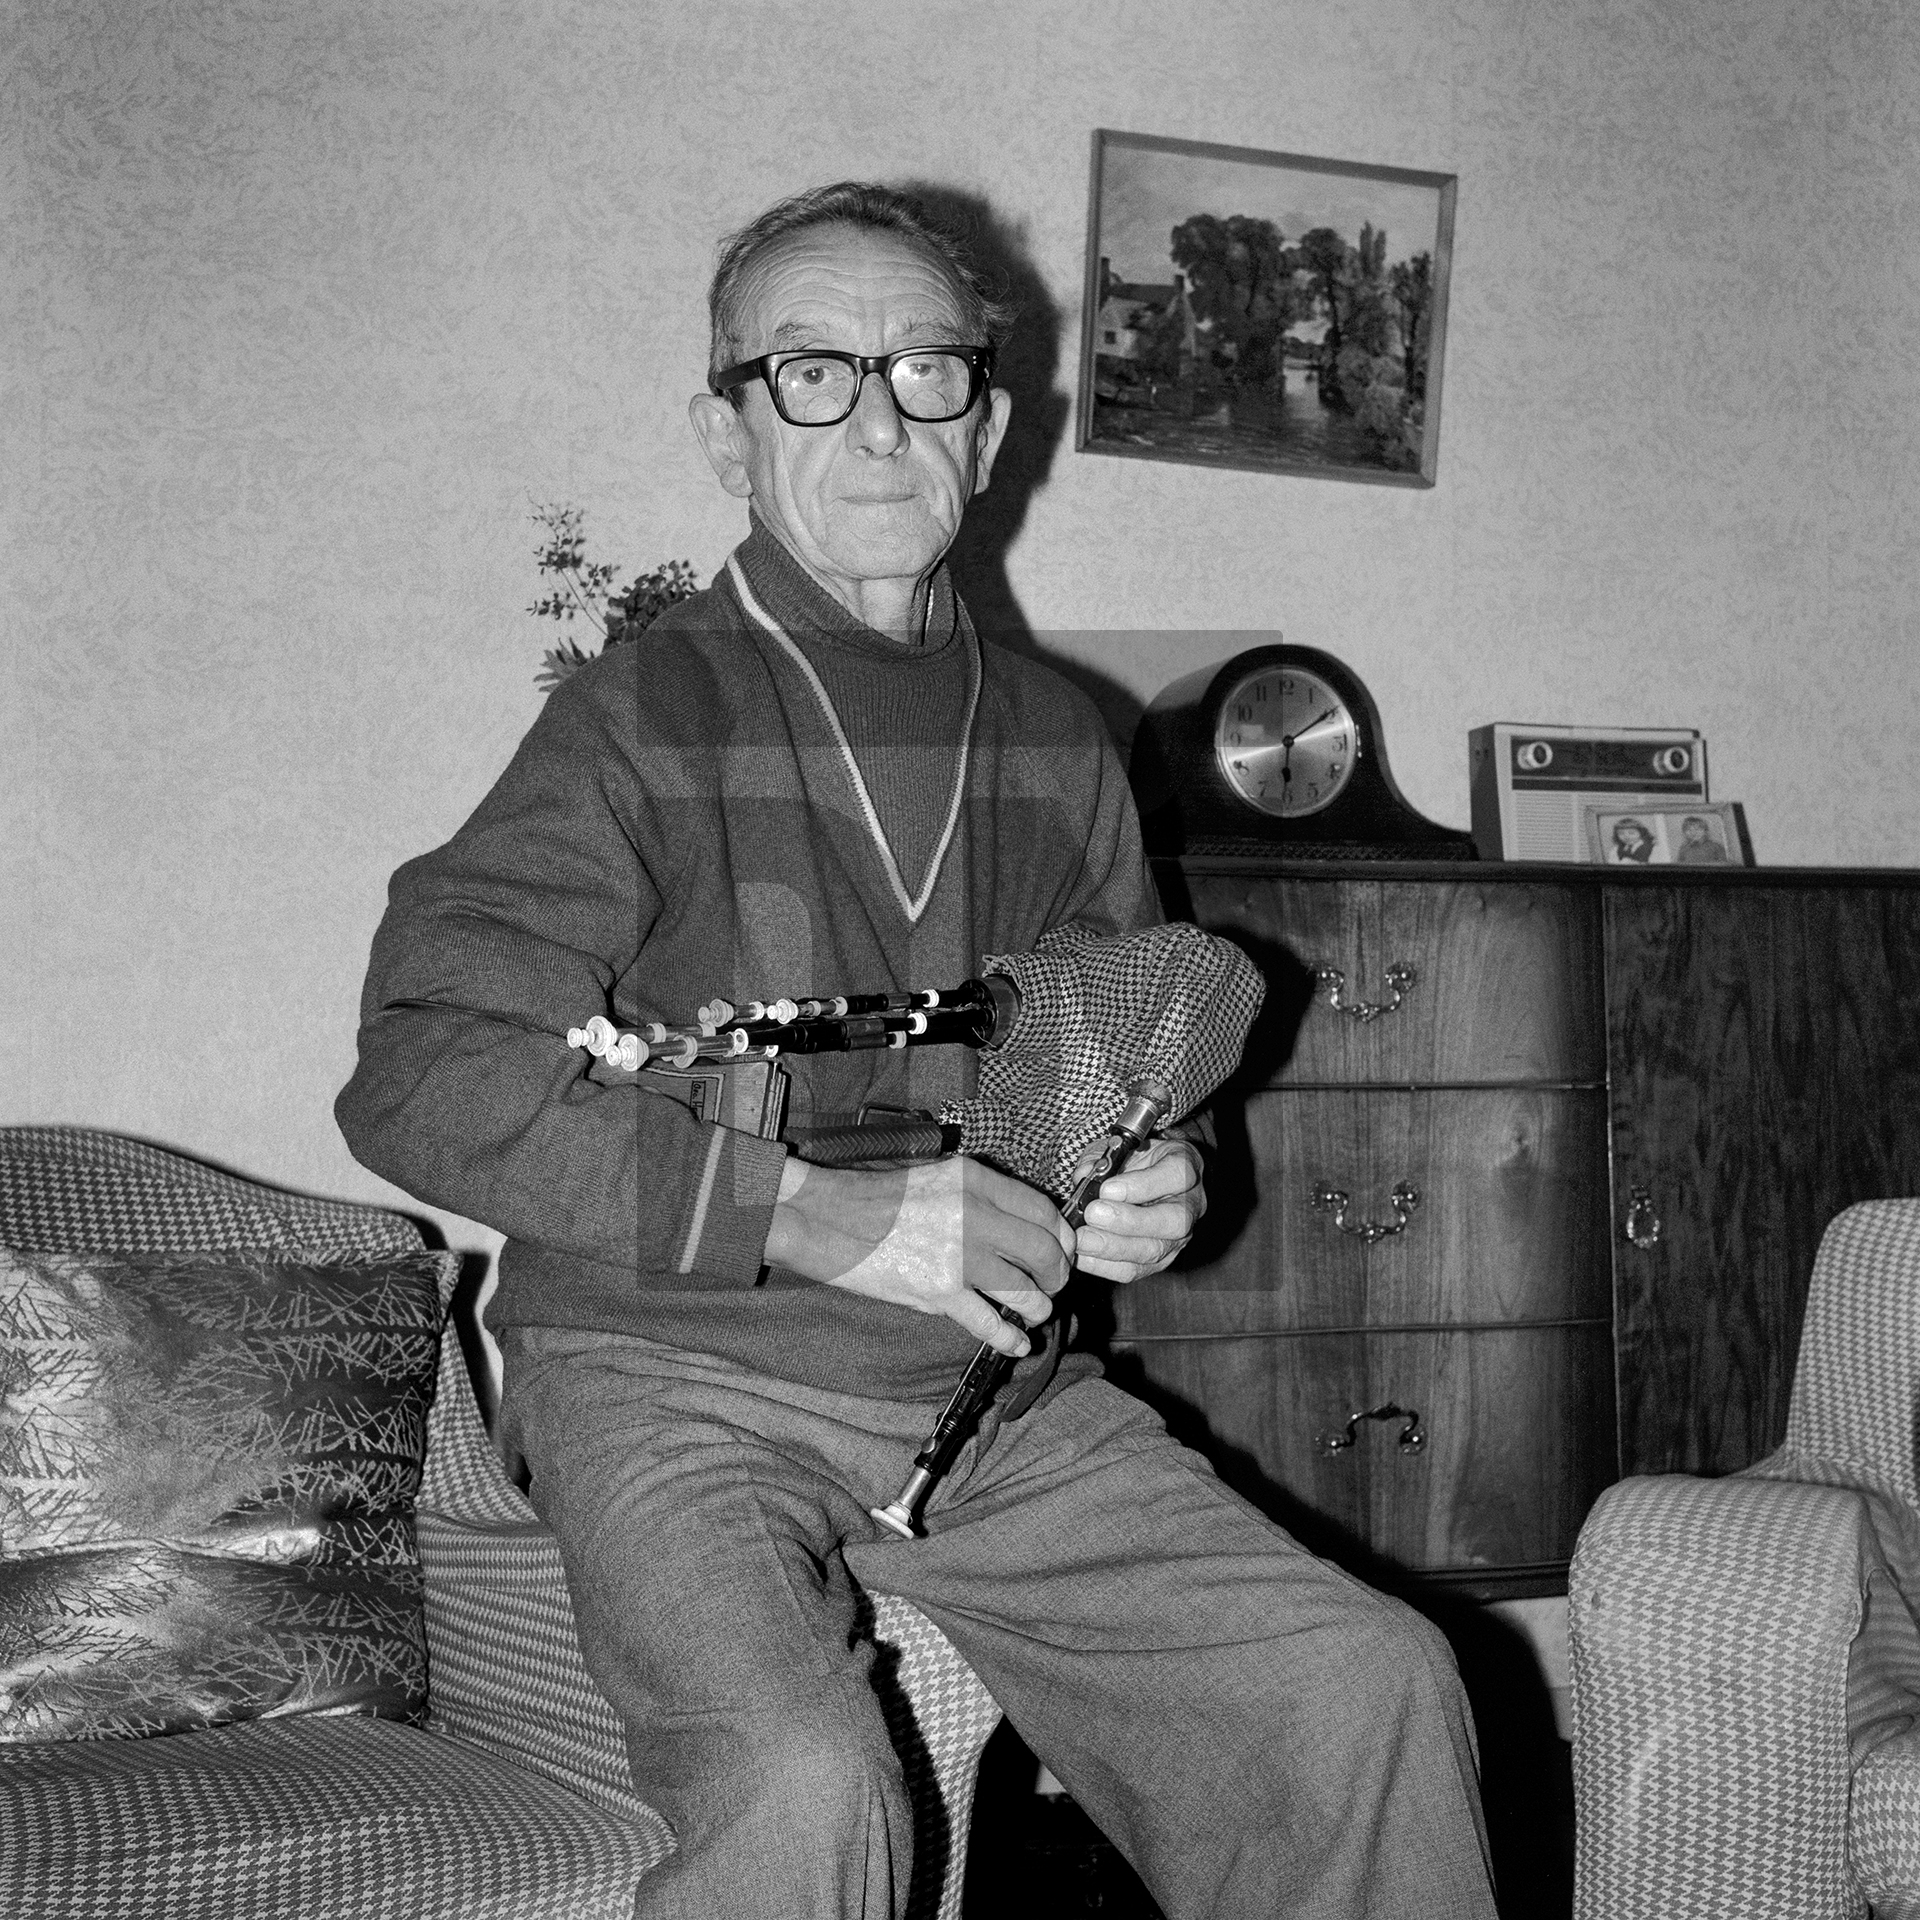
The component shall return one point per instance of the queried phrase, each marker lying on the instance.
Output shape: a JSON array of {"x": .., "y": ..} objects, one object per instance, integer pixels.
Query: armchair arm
[
  {"x": 1710, "y": 1623},
  {"x": 1853, "y": 1382}
]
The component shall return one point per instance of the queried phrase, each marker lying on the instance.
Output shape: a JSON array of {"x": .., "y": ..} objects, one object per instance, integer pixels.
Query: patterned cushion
[
  {"x": 207, "y": 1474},
  {"x": 346, "y": 1818}
]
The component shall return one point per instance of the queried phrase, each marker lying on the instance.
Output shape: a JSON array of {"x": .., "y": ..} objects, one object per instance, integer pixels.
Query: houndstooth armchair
[
  {"x": 1746, "y": 1659},
  {"x": 514, "y": 1802}
]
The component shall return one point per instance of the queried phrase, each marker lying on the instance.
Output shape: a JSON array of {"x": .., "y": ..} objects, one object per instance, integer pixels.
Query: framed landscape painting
[{"x": 1264, "y": 310}]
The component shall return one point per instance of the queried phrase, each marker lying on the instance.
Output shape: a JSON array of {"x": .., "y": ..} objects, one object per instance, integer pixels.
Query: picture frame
[
  {"x": 1266, "y": 311},
  {"x": 1666, "y": 833}
]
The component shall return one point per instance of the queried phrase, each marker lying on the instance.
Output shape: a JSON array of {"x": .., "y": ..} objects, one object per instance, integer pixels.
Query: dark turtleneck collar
[{"x": 810, "y": 613}]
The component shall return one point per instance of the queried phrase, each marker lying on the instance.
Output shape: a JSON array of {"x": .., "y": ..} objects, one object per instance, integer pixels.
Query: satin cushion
[{"x": 208, "y": 1464}]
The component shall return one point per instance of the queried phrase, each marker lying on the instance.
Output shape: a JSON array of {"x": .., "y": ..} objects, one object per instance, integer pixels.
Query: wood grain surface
[
  {"x": 1765, "y": 1052},
  {"x": 1506, "y": 981},
  {"x": 1518, "y": 1428},
  {"x": 1510, "y": 1225}
]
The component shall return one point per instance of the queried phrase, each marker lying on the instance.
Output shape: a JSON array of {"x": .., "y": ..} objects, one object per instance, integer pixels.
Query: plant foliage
[{"x": 583, "y": 589}]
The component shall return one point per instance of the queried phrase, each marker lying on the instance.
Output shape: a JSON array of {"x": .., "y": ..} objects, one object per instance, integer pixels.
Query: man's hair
[{"x": 858, "y": 204}]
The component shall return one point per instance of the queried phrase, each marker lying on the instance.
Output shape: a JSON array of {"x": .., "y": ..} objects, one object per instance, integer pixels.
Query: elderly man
[{"x": 815, "y": 778}]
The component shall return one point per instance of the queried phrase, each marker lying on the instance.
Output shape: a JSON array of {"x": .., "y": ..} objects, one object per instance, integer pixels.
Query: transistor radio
[{"x": 1529, "y": 784}]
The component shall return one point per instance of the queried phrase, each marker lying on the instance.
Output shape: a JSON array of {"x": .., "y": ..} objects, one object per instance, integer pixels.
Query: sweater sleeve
[{"x": 467, "y": 1094}]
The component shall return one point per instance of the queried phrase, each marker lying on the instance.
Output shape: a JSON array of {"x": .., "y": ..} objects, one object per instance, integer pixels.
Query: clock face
[{"x": 1285, "y": 742}]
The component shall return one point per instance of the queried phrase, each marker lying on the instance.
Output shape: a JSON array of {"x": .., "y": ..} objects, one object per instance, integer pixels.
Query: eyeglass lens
[{"x": 814, "y": 390}]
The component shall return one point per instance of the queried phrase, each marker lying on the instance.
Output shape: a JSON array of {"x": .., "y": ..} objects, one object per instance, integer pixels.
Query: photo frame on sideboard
[
  {"x": 1666, "y": 833},
  {"x": 1262, "y": 310}
]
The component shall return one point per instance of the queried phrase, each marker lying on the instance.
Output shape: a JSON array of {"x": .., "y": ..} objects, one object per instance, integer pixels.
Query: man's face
[{"x": 877, "y": 497}]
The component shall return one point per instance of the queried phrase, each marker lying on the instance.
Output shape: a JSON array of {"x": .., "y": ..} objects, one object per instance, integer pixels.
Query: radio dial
[
  {"x": 1673, "y": 761},
  {"x": 1533, "y": 755}
]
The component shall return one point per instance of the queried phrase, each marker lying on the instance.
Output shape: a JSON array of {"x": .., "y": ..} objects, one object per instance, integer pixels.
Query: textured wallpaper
[{"x": 307, "y": 304}]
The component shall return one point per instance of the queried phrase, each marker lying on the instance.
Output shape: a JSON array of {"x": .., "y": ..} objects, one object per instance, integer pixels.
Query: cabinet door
[{"x": 1764, "y": 1047}]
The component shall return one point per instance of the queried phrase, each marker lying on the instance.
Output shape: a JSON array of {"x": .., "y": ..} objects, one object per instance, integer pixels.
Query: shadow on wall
[{"x": 1031, "y": 368}]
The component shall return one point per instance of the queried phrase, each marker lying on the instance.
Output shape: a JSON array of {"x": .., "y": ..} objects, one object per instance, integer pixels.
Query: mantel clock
[{"x": 1279, "y": 750}]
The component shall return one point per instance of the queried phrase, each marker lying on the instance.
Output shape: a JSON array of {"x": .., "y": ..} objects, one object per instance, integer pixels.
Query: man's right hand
[{"x": 934, "y": 1237}]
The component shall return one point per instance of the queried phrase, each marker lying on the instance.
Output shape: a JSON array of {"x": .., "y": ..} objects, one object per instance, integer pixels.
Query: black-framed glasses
[{"x": 818, "y": 387}]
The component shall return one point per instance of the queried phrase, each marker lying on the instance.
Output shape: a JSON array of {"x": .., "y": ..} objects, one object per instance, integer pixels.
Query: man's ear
[
  {"x": 721, "y": 433},
  {"x": 989, "y": 433}
]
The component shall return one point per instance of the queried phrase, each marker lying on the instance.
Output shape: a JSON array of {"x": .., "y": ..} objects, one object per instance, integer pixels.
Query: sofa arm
[
  {"x": 503, "y": 1660},
  {"x": 1709, "y": 1627},
  {"x": 505, "y": 1672}
]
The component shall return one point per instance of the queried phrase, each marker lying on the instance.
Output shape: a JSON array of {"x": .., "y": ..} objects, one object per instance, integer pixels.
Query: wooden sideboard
[{"x": 1527, "y": 1165}]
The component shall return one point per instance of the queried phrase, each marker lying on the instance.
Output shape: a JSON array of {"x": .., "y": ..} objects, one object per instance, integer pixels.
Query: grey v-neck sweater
[{"x": 680, "y": 822}]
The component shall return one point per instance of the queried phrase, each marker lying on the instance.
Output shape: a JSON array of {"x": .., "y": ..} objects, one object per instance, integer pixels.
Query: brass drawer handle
[
  {"x": 1642, "y": 1224},
  {"x": 1405, "y": 1198},
  {"x": 1399, "y": 977},
  {"x": 1413, "y": 1437}
]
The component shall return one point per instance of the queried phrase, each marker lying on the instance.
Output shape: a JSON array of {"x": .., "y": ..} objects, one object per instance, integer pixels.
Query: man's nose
[{"x": 875, "y": 422}]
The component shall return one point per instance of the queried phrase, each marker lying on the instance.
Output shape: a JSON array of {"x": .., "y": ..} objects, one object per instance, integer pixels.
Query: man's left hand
[{"x": 1144, "y": 1216}]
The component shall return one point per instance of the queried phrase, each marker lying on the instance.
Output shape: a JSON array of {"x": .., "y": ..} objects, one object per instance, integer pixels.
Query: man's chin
[{"x": 885, "y": 541}]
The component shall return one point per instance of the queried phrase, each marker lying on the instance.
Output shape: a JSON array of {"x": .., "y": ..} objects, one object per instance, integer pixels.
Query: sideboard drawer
[
  {"x": 1515, "y": 1432},
  {"x": 1475, "y": 982},
  {"x": 1462, "y": 1205}
]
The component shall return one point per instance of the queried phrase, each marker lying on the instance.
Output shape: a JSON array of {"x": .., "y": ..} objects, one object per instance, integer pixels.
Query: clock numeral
[
  {"x": 1334, "y": 772},
  {"x": 1340, "y": 745}
]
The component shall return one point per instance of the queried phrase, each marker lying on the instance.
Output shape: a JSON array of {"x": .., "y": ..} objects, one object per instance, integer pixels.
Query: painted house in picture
[{"x": 1146, "y": 342}]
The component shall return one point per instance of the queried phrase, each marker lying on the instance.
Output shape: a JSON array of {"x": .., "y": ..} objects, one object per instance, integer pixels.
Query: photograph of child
[{"x": 1665, "y": 836}]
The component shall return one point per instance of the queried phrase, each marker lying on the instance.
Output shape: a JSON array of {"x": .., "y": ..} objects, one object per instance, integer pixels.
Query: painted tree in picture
[
  {"x": 1412, "y": 282},
  {"x": 1242, "y": 291},
  {"x": 1373, "y": 363}
]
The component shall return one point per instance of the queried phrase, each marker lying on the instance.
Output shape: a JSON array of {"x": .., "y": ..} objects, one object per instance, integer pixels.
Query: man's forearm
[{"x": 501, "y": 1125}]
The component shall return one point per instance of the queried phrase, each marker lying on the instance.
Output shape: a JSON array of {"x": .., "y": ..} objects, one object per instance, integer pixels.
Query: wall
[{"x": 307, "y": 303}]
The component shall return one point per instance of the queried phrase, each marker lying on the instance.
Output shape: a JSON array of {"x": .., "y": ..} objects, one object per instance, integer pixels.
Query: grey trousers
[{"x": 1260, "y": 1734}]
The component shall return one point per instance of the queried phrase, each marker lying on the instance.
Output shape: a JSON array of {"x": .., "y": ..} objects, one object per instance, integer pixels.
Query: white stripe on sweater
[
  {"x": 698, "y": 1224},
  {"x": 913, "y": 907}
]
